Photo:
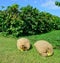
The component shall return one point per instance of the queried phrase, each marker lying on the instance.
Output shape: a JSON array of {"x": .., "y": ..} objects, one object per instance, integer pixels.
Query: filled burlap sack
[
  {"x": 23, "y": 44},
  {"x": 44, "y": 48}
]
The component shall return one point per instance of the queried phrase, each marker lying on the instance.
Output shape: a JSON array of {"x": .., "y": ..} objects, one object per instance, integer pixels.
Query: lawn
[{"x": 10, "y": 54}]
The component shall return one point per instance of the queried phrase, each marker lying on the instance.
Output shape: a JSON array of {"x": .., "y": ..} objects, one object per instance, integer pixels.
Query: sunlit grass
[{"x": 10, "y": 54}]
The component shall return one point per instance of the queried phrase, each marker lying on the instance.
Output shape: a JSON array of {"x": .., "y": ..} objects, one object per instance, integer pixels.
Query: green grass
[{"x": 10, "y": 54}]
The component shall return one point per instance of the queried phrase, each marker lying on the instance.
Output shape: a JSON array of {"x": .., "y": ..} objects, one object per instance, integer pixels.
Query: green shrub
[{"x": 26, "y": 21}]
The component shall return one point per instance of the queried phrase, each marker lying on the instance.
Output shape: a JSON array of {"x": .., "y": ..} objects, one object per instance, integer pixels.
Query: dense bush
[{"x": 26, "y": 21}]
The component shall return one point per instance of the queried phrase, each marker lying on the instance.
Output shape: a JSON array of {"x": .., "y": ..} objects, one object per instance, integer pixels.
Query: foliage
[
  {"x": 26, "y": 21},
  {"x": 57, "y": 3}
]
